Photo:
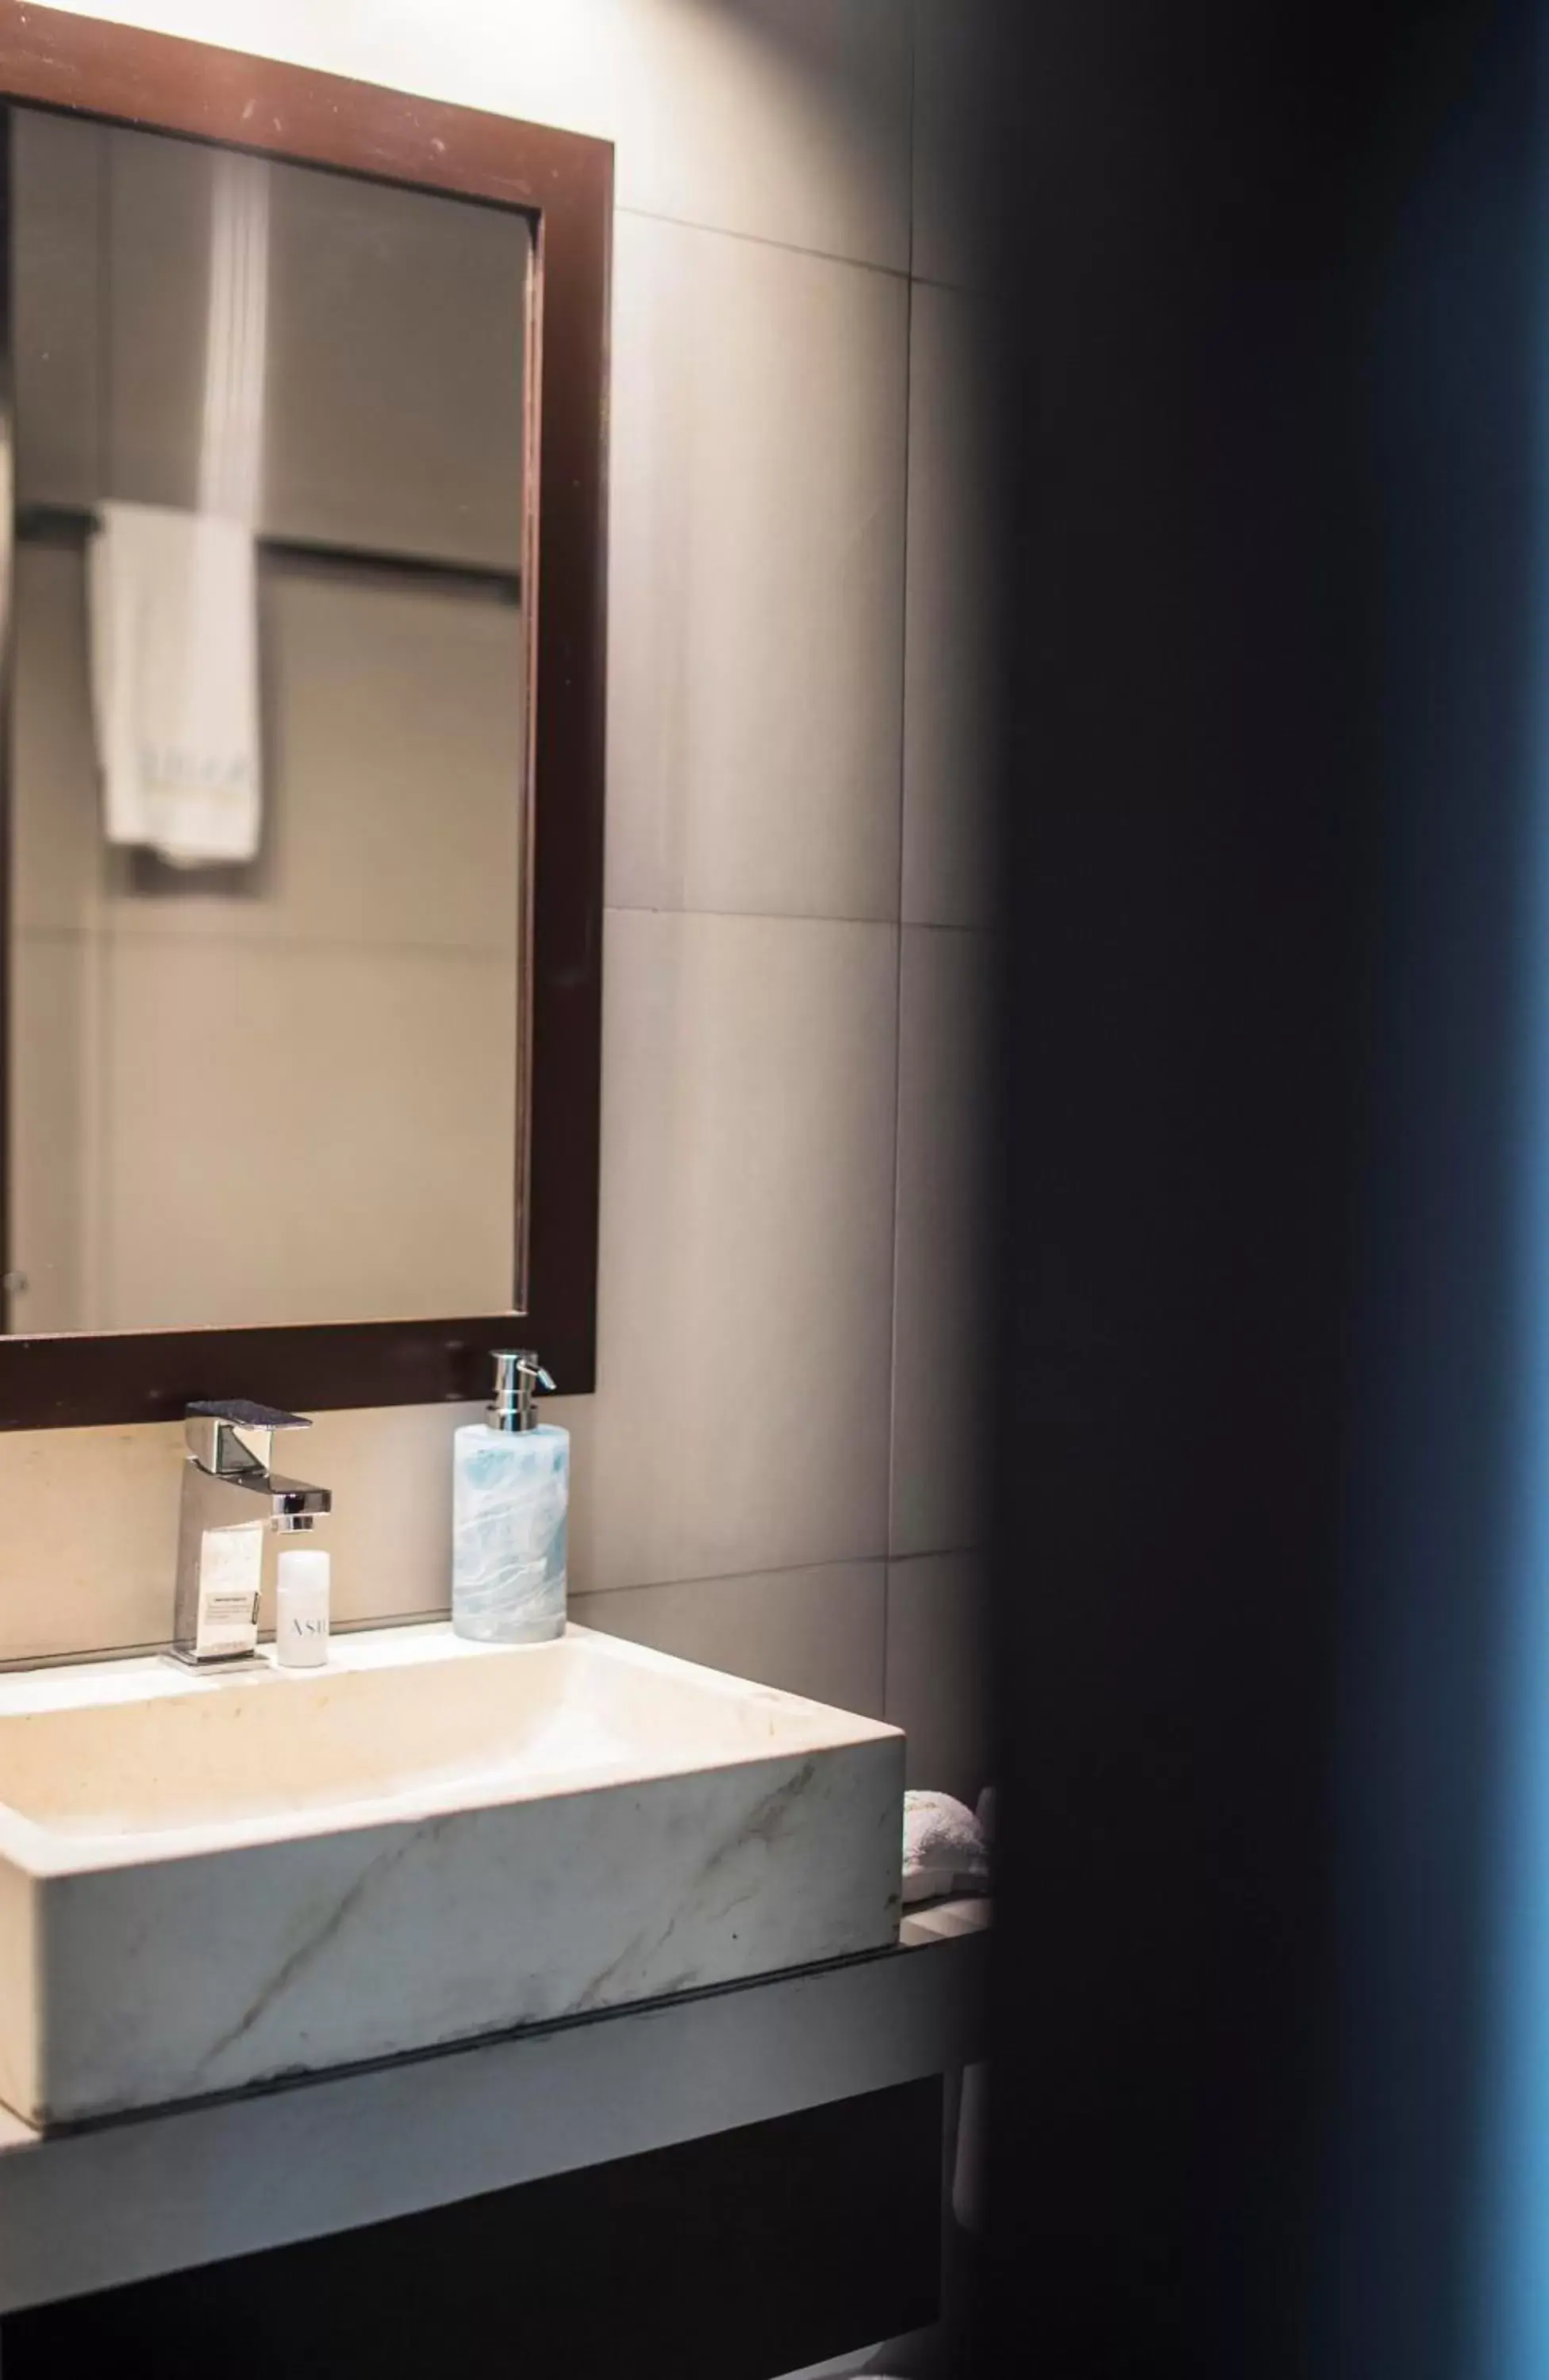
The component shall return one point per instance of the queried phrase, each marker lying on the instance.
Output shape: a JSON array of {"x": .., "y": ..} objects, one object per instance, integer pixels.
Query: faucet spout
[{"x": 293, "y": 1505}]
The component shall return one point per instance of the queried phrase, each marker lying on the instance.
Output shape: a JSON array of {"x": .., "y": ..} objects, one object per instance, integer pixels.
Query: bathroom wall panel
[
  {"x": 955, "y": 649},
  {"x": 396, "y": 1196},
  {"x": 57, "y": 857},
  {"x": 745, "y": 1276},
  {"x": 937, "y": 1671},
  {"x": 53, "y": 987},
  {"x": 57, "y": 169},
  {"x": 941, "y": 1320},
  {"x": 756, "y": 561},
  {"x": 816, "y": 1632},
  {"x": 784, "y": 120},
  {"x": 155, "y": 275},
  {"x": 90, "y": 1545},
  {"x": 397, "y": 352}
]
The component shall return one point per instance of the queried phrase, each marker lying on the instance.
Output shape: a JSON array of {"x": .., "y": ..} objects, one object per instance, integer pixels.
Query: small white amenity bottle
[
  {"x": 510, "y": 1500},
  {"x": 302, "y": 1608}
]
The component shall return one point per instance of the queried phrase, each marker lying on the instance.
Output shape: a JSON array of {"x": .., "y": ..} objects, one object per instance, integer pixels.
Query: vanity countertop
[{"x": 189, "y": 2185}]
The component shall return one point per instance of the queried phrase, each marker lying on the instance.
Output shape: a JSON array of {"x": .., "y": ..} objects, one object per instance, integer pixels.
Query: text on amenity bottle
[{"x": 510, "y": 1499}]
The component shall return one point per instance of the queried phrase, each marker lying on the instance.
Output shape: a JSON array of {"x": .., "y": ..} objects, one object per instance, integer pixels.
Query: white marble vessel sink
[{"x": 206, "y": 1882}]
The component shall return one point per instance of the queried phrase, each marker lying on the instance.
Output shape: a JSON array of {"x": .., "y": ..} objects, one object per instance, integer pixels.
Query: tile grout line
[
  {"x": 198, "y": 938},
  {"x": 424, "y": 1613},
  {"x": 788, "y": 247},
  {"x": 784, "y": 1570},
  {"x": 903, "y": 771},
  {"x": 189, "y": 937},
  {"x": 758, "y": 917},
  {"x": 953, "y": 288}
]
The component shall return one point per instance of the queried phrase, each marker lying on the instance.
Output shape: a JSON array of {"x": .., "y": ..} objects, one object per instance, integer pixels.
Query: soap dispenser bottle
[{"x": 510, "y": 1499}]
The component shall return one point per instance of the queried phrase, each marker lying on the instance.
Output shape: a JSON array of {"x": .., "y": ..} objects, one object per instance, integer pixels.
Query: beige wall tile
[
  {"x": 90, "y": 1538},
  {"x": 817, "y": 1632},
  {"x": 398, "y": 738},
  {"x": 937, "y": 1672},
  {"x": 56, "y": 167},
  {"x": 57, "y": 845},
  {"x": 748, "y": 1110},
  {"x": 953, "y": 642},
  {"x": 755, "y": 561},
  {"x": 396, "y": 336},
  {"x": 941, "y": 1352},
  {"x": 156, "y": 276},
  {"x": 52, "y": 979},
  {"x": 785, "y": 119},
  {"x": 397, "y": 1198}
]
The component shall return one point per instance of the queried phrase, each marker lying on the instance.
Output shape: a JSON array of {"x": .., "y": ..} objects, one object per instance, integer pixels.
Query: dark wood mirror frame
[{"x": 563, "y": 181}]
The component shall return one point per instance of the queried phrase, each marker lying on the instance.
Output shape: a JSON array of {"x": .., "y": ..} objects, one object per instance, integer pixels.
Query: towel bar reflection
[{"x": 71, "y": 525}]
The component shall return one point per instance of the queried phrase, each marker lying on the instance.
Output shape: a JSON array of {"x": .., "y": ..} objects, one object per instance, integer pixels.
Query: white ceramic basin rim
[{"x": 94, "y": 1761}]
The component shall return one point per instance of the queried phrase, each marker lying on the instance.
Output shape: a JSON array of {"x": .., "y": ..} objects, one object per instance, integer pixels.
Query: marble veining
[
  {"x": 440, "y": 1841},
  {"x": 313, "y": 1943}
]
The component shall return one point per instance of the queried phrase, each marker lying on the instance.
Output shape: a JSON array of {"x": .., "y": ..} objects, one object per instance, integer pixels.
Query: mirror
[{"x": 270, "y": 788}]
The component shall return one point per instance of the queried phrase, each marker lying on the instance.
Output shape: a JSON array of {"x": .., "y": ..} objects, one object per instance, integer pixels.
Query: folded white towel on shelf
[
  {"x": 174, "y": 638},
  {"x": 944, "y": 1849}
]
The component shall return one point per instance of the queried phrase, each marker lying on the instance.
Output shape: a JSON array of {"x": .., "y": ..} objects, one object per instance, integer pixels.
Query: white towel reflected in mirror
[{"x": 173, "y": 594}]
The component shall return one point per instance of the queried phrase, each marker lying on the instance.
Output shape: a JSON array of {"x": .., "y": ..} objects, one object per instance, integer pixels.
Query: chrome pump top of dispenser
[{"x": 516, "y": 1375}]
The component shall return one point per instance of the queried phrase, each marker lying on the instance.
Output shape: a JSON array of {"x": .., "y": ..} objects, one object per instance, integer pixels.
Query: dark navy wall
[{"x": 1269, "y": 983}]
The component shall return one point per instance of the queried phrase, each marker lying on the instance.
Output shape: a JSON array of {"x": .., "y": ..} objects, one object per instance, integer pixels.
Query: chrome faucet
[{"x": 230, "y": 1498}]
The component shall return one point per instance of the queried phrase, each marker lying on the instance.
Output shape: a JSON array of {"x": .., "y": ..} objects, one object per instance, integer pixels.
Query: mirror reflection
[{"x": 268, "y": 740}]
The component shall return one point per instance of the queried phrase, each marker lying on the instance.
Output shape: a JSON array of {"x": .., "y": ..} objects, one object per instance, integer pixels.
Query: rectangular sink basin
[{"x": 208, "y": 1882}]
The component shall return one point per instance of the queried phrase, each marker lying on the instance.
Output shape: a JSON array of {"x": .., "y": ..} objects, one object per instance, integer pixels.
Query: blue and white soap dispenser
[{"x": 510, "y": 1501}]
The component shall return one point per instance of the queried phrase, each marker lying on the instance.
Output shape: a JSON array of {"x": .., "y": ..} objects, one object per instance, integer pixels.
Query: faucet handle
[{"x": 228, "y": 1436}]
